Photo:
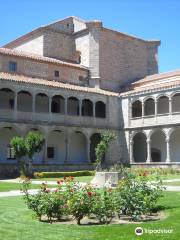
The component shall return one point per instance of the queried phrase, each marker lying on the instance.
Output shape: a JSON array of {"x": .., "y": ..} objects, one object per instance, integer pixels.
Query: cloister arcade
[
  {"x": 161, "y": 145},
  {"x": 62, "y": 146},
  {"x": 155, "y": 105},
  {"x": 42, "y": 103}
]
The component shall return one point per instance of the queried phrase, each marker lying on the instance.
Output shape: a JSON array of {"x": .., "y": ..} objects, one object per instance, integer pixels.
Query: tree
[
  {"x": 102, "y": 147},
  {"x": 33, "y": 143},
  {"x": 27, "y": 146},
  {"x": 19, "y": 150}
]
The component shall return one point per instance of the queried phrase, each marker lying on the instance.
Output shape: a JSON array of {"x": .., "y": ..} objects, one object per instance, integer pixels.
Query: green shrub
[{"x": 63, "y": 174}]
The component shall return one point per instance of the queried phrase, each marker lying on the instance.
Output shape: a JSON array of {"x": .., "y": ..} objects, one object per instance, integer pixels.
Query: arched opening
[
  {"x": 149, "y": 107},
  {"x": 39, "y": 156},
  {"x": 42, "y": 103},
  {"x": 6, "y": 99},
  {"x": 77, "y": 148},
  {"x": 175, "y": 146},
  {"x": 139, "y": 147},
  {"x": 158, "y": 146},
  {"x": 24, "y": 101},
  {"x": 56, "y": 146},
  {"x": 137, "y": 109},
  {"x": 176, "y": 103},
  {"x": 6, "y": 151},
  {"x": 100, "y": 109},
  {"x": 73, "y": 106},
  {"x": 163, "y": 105},
  {"x": 58, "y": 104},
  {"x": 87, "y": 108},
  {"x": 95, "y": 140}
]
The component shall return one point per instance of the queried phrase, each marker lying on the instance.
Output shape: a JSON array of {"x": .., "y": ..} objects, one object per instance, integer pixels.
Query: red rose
[{"x": 89, "y": 194}]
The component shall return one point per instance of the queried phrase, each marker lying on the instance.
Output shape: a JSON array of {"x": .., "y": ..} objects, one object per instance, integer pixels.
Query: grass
[
  {"x": 5, "y": 187},
  {"x": 18, "y": 223},
  {"x": 176, "y": 183}
]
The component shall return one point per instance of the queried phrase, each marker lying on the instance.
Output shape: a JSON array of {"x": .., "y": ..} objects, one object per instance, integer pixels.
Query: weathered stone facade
[{"x": 71, "y": 80}]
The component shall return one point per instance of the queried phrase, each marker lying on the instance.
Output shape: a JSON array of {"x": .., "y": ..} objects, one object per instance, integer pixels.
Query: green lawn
[
  {"x": 18, "y": 223},
  {"x": 4, "y": 186},
  {"x": 176, "y": 183}
]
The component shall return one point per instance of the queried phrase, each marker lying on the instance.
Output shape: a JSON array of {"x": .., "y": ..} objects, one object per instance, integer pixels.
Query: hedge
[{"x": 63, "y": 174}]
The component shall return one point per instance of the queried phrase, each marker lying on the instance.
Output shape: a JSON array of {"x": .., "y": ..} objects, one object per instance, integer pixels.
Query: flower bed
[{"x": 134, "y": 197}]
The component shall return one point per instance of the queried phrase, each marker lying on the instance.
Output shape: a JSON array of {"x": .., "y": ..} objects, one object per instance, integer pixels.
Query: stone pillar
[
  {"x": 131, "y": 157},
  {"x": 15, "y": 101},
  {"x": 80, "y": 107},
  {"x": 50, "y": 101},
  {"x": 170, "y": 105},
  {"x": 142, "y": 109},
  {"x": 94, "y": 109},
  {"x": 88, "y": 144},
  {"x": 65, "y": 102},
  {"x": 45, "y": 160},
  {"x": 156, "y": 108},
  {"x": 67, "y": 147},
  {"x": 167, "y": 150},
  {"x": 148, "y": 141},
  {"x": 33, "y": 103}
]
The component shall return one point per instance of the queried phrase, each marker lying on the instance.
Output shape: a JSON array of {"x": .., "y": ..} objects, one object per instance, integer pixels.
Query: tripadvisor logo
[{"x": 138, "y": 231}]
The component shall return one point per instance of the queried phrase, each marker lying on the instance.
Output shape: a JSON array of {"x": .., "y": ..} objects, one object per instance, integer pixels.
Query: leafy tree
[
  {"x": 19, "y": 149},
  {"x": 27, "y": 146},
  {"x": 33, "y": 143},
  {"x": 102, "y": 147}
]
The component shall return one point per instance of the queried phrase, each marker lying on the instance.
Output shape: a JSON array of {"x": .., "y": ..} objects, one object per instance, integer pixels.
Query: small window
[
  {"x": 50, "y": 152},
  {"x": 10, "y": 152},
  {"x": 56, "y": 73},
  {"x": 12, "y": 66}
]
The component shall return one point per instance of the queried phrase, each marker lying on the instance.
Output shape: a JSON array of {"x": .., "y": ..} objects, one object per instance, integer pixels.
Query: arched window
[
  {"x": 137, "y": 109},
  {"x": 149, "y": 107},
  {"x": 6, "y": 98},
  {"x": 176, "y": 103},
  {"x": 58, "y": 104},
  {"x": 100, "y": 109},
  {"x": 42, "y": 103},
  {"x": 87, "y": 108},
  {"x": 73, "y": 106},
  {"x": 139, "y": 147},
  {"x": 24, "y": 101},
  {"x": 163, "y": 105}
]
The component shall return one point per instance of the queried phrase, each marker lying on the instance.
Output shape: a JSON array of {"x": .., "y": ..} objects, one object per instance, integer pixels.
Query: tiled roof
[
  {"x": 52, "y": 84},
  {"x": 17, "y": 53},
  {"x": 154, "y": 82}
]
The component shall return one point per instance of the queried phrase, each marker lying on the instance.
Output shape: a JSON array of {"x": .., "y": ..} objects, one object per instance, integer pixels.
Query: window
[
  {"x": 56, "y": 73},
  {"x": 12, "y": 66},
  {"x": 10, "y": 152},
  {"x": 50, "y": 152}
]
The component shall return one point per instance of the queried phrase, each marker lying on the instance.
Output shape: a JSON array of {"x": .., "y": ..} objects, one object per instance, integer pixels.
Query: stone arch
[
  {"x": 139, "y": 147},
  {"x": 136, "y": 109},
  {"x": 158, "y": 146},
  {"x": 24, "y": 101},
  {"x": 77, "y": 147},
  {"x": 94, "y": 140},
  {"x": 7, "y": 98},
  {"x": 149, "y": 107},
  {"x": 100, "y": 109},
  {"x": 58, "y": 104},
  {"x": 41, "y": 103},
  {"x": 163, "y": 104},
  {"x": 174, "y": 142},
  {"x": 6, "y": 152},
  {"x": 176, "y": 102},
  {"x": 73, "y": 106},
  {"x": 87, "y": 108},
  {"x": 56, "y": 146}
]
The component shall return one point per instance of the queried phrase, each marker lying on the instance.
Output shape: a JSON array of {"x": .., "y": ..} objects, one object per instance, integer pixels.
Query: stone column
[
  {"x": 167, "y": 150},
  {"x": 88, "y": 144},
  {"x": 170, "y": 105},
  {"x": 94, "y": 109},
  {"x": 131, "y": 157},
  {"x": 45, "y": 160},
  {"x": 80, "y": 107},
  {"x": 15, "y": 101},
  {"x": 65, "y": 110},
  {"x": 148, "y": 141},
  {"x": 33, "y": 103},
  {"x": 50, "y": 101},
  {"x": 67, "y": 147},
  {"x": 156, "y": 108}
]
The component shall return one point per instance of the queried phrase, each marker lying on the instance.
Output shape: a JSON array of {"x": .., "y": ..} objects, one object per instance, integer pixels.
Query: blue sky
[{"x": 153, "y": 19}]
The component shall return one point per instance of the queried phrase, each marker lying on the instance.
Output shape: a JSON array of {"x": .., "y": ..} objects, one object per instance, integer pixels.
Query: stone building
[{"x": 71, "y": 80}]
